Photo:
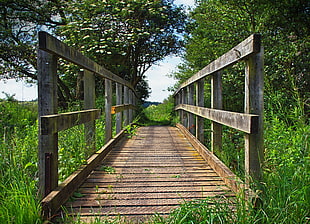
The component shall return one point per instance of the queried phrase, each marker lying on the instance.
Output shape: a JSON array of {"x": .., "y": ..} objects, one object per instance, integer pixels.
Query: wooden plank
[
  {"x": 120, "y": 108},
  {"x": 89, "y": 103},
  {"x": 52, "y": 202},
  {"x": 54, "y": 46},
  {"x": 133, "y": 188},
  {"x": 47, "y": 104},
  {"x": 249, "y": 46},
  {"x": 107, "y": 106},
  {"x": 254, "y": 103},
  {"x": 51, "y": 124},
  {"x": 216, "y": 103},
  {"x": 219, "y": 167},
  {"x": 243, "y": 122}
]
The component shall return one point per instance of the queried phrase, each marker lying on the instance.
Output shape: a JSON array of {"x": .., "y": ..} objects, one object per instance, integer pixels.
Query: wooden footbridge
[{"x": 161, "y": 166}]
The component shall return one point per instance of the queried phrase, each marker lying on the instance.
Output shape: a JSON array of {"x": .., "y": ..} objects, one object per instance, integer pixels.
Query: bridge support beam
[{"x": 48, "y": 144}]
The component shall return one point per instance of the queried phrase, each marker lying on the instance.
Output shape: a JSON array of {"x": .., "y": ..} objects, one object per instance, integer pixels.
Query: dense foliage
[{"x": 218, "y": 25}]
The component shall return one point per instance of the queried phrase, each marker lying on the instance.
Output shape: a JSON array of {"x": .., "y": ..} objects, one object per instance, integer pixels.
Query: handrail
[
  {"x": 250, "y": 122},
  {"x": 54, "y": 46},
  {"x": 50, "y": 122}
]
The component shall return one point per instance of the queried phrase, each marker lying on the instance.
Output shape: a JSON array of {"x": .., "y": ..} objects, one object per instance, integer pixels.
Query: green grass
[
  {"x": 161, "y": 114},
  {"x": 286, "y": 185}
]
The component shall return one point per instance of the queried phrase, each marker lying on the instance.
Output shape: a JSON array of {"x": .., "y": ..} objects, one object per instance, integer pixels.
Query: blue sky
[{"x": 156, "y": 76}]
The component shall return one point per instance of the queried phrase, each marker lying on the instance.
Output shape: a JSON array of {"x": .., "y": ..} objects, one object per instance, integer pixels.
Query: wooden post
[
  {"x": 216, "y": 103},
  {"x": 126, "y": 101},
  {"x": 185, "y": 101},
  {"x": 89, "y": 103},
  {"x": 190, "y": 100},
  {"x": 119, "y": 101},
  {"x": 181, "y": 93},
  {"x": 47, "y": 105},
  {"x": 254, "y": 104},
  {"x": 200, "y": 103},
  {"x": 130, "y": 102},
  {"x": 108, "y": 105}
]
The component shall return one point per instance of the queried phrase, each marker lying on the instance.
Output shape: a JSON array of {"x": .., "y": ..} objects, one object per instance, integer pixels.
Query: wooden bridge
[{"x": 160, "y": 167}]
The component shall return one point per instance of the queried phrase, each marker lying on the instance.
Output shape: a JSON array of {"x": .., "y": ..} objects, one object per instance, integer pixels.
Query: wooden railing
[
  {"x": 189, "y": 99},
  {"x": 50, "y": 122}
]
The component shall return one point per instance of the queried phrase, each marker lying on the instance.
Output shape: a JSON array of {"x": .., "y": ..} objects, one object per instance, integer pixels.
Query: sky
[{"x": 157, "y": 77}]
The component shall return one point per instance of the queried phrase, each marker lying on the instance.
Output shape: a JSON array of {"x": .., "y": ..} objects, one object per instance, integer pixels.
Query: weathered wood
[
  {"x": 216, "y": 103},
  {"x": 130, "y": 102},
  {"x": 185, "y": 114},
  {"x": 249, "y": 46},
  {"x": 190, "y": 100},
  {"x": 119, "y": 108},
  {"x": 254, "y": 104},
  {"x": 119, "y": 101},
  {"x": 217, "y": 165},
  {"x": 53, "y": 201},
  {"x": 126, "y": 101},
  {"x": 108, "y": 105},
  {"x": 51, "y": 124},
  {"x": 243, "y": 122},
  {"x": 142, "y": 183},
  {"x": 53, "y": 45},
  {"x": 89, "y": 103},
  {"x": 47, "y": 104},
  {"x": 200, "y": 103}
]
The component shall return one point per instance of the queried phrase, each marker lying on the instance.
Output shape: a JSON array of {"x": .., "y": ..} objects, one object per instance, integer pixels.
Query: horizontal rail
[
  {"x": 120, "y": 108},
  {"x": 249, "y": 46},
  {"x": 53, "y": 201},
  {"x": 53, "y": 45},
  {"x": 51, "y": 124},
  {"x": 243, "y": 122}
]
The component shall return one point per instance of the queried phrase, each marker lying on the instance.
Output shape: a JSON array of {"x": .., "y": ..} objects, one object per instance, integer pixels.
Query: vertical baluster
[
  {"x": 200, "y": 103},
  {"x": 47, "y": 105},
  {"x": 108, "y": 105},
  {"x": 119, "y": 101},
  {"x": 89, "y": 103},
  {"x": 254, "y": 104},
  {"x": 216, "y": 103}
]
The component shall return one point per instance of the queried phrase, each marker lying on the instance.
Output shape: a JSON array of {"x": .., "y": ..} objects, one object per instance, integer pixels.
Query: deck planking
[{"x": 152, "y": 172}]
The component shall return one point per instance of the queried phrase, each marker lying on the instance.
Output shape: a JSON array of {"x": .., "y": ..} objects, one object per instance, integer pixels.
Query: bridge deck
[{"x": 154, "y": 171}]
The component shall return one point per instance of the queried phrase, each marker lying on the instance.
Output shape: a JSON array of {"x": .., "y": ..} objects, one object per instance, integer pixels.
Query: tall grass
[
  {"x": 18, "y": 165},
  {"x": 285, "y": 187}
]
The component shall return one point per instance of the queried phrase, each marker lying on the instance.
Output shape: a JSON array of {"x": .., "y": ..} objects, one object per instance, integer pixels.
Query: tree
[
  {"x": 20, "y": 21},
  {"x": 218, "y": 25},
  {"x": 127, "y": 37}
]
